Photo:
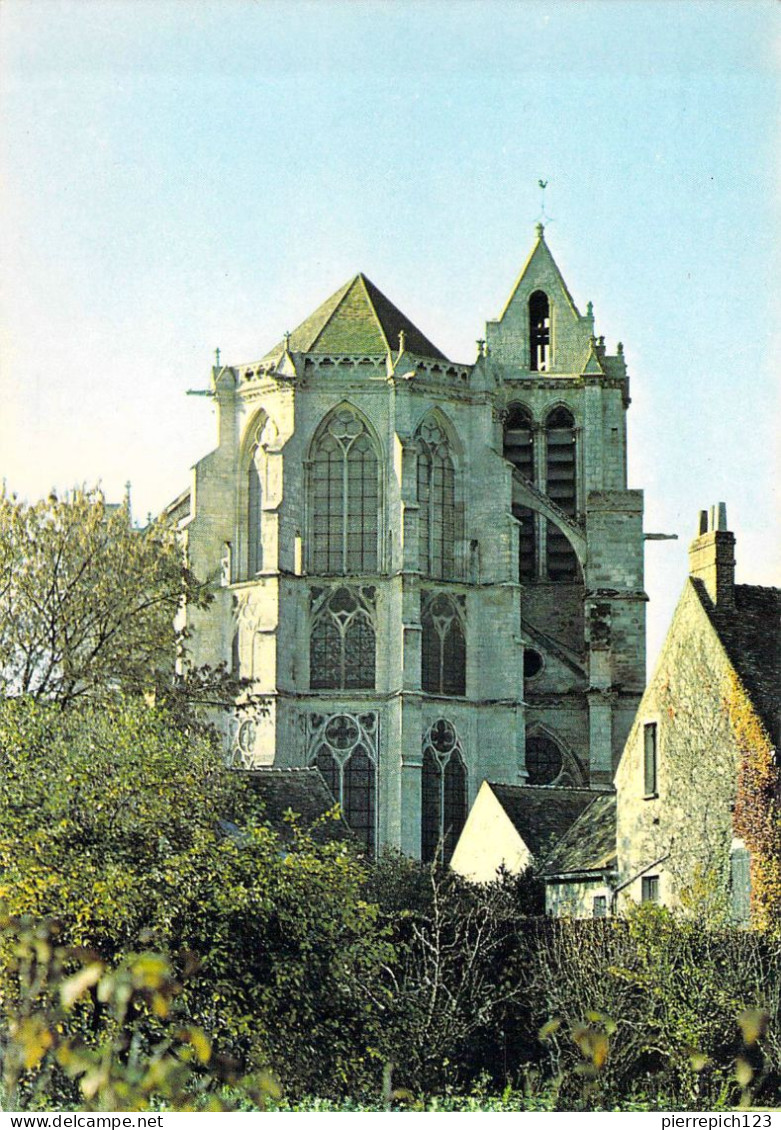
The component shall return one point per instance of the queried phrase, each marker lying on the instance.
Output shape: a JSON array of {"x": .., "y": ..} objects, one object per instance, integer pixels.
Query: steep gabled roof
[
  {"x": 541, "y": 813},
  {"x": 357, "y": 319},
  {"x": 590, "y": 843},
  {"x": 539, "y": 257},
  {"x": 750, "y": 634}
]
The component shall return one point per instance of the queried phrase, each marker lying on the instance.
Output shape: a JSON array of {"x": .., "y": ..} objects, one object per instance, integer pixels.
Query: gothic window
[
  {"x": 438, "y": 528},
  {"x": 519, "y": 450},
  {"x": 443, "y": 645},
  {"x": 443, "y": 791},
  {"x": 344, "y": 748},
  {"x": 342, "y": 644},
  {"x": 344, "y": 497},
  {"x": 560, "y": 486},
  {"x": 547, "y": 763},
  {"x": 539, "y": 332},
  {"x": 253, "y": 517}
]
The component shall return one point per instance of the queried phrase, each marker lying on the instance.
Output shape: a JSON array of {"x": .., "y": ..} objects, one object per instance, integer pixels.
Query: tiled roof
[
  {"x": 357, "y": 320},
  {"x": 751, "y": 635},
  {"x": 302, "y": 791},
  {"x": 541, "y": 813},
  {"x": 590, "y": 843}
]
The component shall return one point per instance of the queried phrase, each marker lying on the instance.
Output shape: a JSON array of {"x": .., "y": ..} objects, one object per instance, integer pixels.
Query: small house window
[
  {"x": 539, "y": 332},
  {"x": 650, "y": 759},
  {"x": 740, "y": 885},
  {"x": 650, "y": 888},
  {"x": 600, "y": 906}
]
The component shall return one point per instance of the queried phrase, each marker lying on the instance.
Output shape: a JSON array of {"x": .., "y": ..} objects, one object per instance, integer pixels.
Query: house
[
  {"x": 697, "y": 823},
  {"x": 513, "y": 827},
  {"x": 431, "y": 570}
]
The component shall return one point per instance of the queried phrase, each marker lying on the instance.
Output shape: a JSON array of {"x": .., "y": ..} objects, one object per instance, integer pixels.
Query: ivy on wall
[{"x": 757, "y": 818}]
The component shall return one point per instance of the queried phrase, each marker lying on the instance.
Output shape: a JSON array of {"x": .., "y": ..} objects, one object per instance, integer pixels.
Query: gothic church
[{"x": 432, "y": 571}]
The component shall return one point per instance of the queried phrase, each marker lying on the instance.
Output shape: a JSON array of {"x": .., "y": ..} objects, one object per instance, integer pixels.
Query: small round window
[{"x": 532, "y": 663}]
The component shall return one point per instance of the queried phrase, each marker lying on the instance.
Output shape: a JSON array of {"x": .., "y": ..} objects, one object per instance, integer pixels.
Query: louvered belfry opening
[
  {"x": 539, "y": 332},
  {"x": 561, "y": 488},
  {"x": 519, "y": 450}
]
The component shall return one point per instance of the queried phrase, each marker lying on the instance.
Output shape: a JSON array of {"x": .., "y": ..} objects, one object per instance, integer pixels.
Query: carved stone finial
[
  {"x": 217, "y": 357},
  {"x": 589, "y": 309},
  {"x": 620, "y": 348},
  {"x": 287, "y": 341},
  {"x": 402, "y": 340},
  {"x": 480, "y": 347},
  {"x": 540, "y": 228}
]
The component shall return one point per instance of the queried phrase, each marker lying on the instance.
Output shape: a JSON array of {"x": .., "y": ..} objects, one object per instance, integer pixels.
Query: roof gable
[
  {"x": 540, "y": 269},
  {"x": 541, "y": 813},
  {"x": 357, "y": 320}
]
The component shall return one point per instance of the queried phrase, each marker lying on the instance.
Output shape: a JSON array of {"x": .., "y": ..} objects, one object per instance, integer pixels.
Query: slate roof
[
  {"x": 751, "y": 636},
  {"x": 357, "y": 320},
  {"x": 590, "y": 843},
  {"x": 539, "y": 813},
  {"x": 302, "y": 791}
]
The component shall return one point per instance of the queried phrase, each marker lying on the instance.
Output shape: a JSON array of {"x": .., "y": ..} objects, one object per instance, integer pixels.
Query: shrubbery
[{"x": 161, "y": 942}]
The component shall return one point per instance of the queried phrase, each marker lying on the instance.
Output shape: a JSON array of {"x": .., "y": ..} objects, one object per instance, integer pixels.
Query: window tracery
[
  {"x": 344, "y": 497},
  {"x": 443, "y": 658},
  {"x": 444, "y": 792},
  {"x": 438, "y": 519},
  {"x": 342, "y": 646},
  {"x": 344, "y": 748},
  {"x": 549, "y": 763}
]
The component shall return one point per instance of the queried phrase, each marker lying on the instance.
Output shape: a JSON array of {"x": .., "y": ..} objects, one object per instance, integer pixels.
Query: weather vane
[{"x": 544, "y": 217}]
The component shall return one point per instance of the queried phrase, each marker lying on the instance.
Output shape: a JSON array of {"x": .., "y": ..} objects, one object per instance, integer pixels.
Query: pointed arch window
[
  {"x": 438, "y": 519},
  {"x": 344, "y": 748},
  {"x": 444, "y": 791},
  {"x": 443, "y": 659},
  {"x": 548, "y": 763},
  {"x": 254, "y": 506},
  {"x": 539, "y": 332},
  {"x": 342, "y": 645},
  {"x": 344, "y": 497},
  {"x": 519, "y": 450},
  {"x": 561, "y": 488}
]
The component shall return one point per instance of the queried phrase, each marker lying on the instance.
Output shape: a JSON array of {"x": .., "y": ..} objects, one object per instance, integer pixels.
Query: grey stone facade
[{"x": 394, "y": 539}]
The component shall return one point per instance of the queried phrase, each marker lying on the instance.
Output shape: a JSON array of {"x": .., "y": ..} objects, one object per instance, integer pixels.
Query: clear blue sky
[{"x": 182, "y": 175}]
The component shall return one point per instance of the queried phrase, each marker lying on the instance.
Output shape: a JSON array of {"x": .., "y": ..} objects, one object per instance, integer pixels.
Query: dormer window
[{"x": 539, "y": 332}]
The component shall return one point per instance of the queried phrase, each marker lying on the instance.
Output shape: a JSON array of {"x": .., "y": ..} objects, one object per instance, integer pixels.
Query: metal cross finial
[{"x": 217, "y": 357}]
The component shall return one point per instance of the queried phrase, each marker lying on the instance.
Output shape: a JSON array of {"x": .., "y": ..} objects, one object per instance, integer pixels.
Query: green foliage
[
  {"x": 90, "y": 1037},
  {"x": 113, "y": 823},
  {"x": 90, "y": 609},
  {"x": 87, "y": 603}
]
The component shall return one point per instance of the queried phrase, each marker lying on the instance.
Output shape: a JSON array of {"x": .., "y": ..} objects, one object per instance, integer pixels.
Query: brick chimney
[{"x": 712, "y": 556}]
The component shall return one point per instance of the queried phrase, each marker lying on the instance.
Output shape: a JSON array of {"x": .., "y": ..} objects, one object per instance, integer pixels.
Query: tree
[
  {"x": 131, "y": 835},
  {"x": 88, "y": 604}
]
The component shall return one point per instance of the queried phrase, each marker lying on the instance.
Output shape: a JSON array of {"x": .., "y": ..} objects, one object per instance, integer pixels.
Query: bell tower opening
[{"x": 539, "y": 332}]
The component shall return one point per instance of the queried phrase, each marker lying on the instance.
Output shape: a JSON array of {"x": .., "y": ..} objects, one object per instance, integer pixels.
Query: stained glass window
[
  {"x": 344, "y": 497},
  {"x": 443, "y": 659},
  {"x": 342, "y": 644},
  {"x": 344, "y": 749},
  {"x": 444, "y": 793},
  {"x": 439, "y": 525}
]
